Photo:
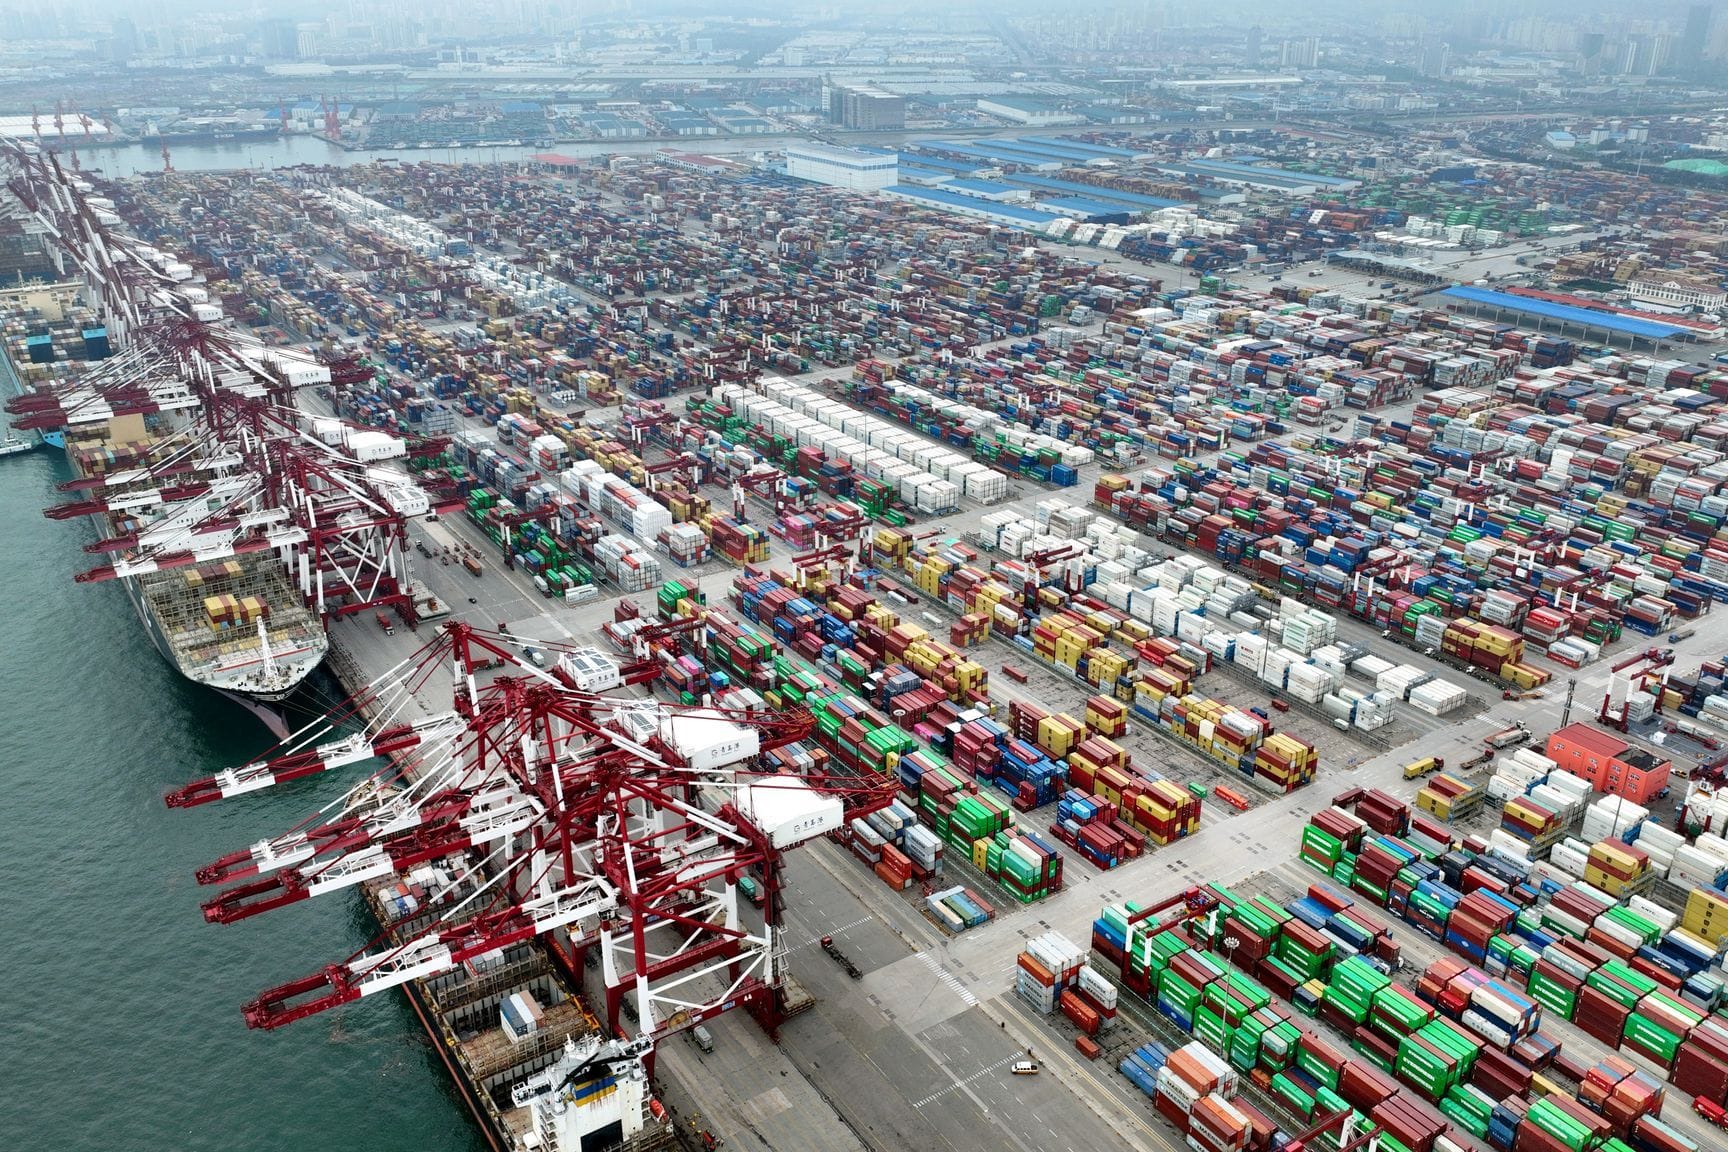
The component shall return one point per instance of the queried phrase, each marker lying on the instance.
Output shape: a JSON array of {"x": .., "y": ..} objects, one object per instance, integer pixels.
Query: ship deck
[
  {"x": 461, "y": 1011},
  {"x": 208, "y": 653}
]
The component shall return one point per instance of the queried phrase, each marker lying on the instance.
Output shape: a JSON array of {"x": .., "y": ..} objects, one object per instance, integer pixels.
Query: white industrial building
[
  {"x": 849, "y": 168},
  {"x": 1031, "y": 112},
  {"x": 1679, "y": 291}
]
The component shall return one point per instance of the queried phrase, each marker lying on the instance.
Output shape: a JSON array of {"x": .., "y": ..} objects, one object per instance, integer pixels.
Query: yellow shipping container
[
  {"x": 1434, "y": 803},
  {"x": 1706, "y": 915}
]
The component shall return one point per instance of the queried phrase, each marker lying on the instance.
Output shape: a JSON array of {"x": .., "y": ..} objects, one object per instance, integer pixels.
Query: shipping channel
[{"x": 124, "y": 999}]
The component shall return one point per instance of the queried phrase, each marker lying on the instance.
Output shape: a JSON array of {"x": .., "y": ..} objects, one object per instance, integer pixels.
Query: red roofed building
[{"x": 1610, "y": 763}]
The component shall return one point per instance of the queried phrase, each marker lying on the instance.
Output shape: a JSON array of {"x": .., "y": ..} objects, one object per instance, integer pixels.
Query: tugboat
[{"x": 16, "y": 445}]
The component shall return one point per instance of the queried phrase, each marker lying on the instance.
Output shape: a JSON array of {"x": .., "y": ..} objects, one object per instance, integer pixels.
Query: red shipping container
[
  {"x": 1084, "y": 1016},
  {"x": 1361, "y": 1084}
]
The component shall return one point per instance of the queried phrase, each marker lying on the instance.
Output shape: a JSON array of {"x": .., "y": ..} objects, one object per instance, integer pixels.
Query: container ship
[
  {"x": 235, "y": 623},
  {"x": 534, "y": 1067}
]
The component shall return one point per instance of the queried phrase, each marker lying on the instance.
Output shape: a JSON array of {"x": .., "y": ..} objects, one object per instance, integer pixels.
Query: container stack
[
  {"x": 520, "y": 1016},
  {"x": 1618, "y": 869},
  {"x": 686, "y": 544},
  {"x": 629, "y": 566},
  {"x": 1049, "y": 965},
  {"x": 1027, "y": 866},
  {"x": 1450, "y": 798},
  {"x": 958, "y": 908},
  {"x": 1706, "y": 916},
  {"x": 736, "y": 542},
  {"x": 1534, "y": 826}
]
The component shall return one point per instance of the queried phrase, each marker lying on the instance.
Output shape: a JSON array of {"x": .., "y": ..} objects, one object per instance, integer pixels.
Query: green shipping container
[
  {"x": 1651, "y": 1036},
  {"x": 1311, "y": 1064},
  {"x": 1554, "y": 997},
  {"x": 1373, "y": 1055},
  {"x": 1293, "y": 1094}
]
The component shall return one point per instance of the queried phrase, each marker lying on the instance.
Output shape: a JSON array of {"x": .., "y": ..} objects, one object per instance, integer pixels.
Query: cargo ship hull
[
  {"x": 263, "y": 705},
  {"x": 11, "y": 385},
  {"x": 240, "y": 676}
]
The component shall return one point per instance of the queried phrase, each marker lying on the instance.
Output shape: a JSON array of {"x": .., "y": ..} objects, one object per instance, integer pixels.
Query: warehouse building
[
  {"x": 1088, "y": 211},
  {"x": 1547, "y": 315},
  {"x": 1021, "y": 110},
  {"x": 1132, "y": 201},
  {"x": 995, "y": 154},
  {"x": 850, "y": 168},
  {"x": 1679, "y": 291},
  {"x": 988, "y": 190},
  {"x": 1014, "y": 214},
  {"x": 1082, "y": 148}
]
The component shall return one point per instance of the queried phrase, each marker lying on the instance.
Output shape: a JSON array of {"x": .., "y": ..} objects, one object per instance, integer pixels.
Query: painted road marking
[
  {"x": 955, "y": 984},
  {"x": 832, "y": 932},
  {"x": 959, "y": 1084}
]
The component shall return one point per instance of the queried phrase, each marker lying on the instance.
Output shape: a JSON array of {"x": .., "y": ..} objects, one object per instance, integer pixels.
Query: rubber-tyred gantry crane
[
  {"x": 548, "y": 810},
  {"x": 1631, "y": 674}
]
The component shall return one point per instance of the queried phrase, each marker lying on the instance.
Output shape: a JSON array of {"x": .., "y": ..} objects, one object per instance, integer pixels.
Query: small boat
[{"x": 14, "y": 445}]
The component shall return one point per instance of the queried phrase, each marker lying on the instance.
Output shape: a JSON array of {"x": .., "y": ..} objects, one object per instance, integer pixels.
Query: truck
[
  {"x": 752, "y": 890},
  {"x": 1423, "y": 767},
  {"x": 1509, "y": 737},
  {"x": 384, "y": 623},
  {"x": 841, "y": 958}
]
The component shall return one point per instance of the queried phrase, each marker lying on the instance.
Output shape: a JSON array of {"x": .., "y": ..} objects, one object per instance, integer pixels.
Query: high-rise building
[
  {"x": 1434, "y": 60},
  {"x": 867, "y": 109},
  {"x": 1694, "y": 44},
  {"x": 1643, "y": 55},
  {"x": 1303, "y": 53},
  {"x": 279, "y": 39},
  {"x": 1251, "y": 50},
  {"x": 122, "y": 40}
]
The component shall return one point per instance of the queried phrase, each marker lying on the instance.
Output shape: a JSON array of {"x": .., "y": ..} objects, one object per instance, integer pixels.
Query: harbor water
[{"x": 122, "y": 1006}]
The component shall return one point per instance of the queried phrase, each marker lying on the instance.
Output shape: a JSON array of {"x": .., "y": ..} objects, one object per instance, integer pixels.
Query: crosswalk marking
[
  {"x": 959, "y": 1084},
  {"x": 955, "y": 984},
  {"x": 831, "y": 932}
]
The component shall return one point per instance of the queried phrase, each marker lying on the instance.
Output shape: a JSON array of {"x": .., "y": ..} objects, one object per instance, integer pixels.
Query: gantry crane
[
  {"x": 607, "y": 824},
  {"x": 1349, "y": 1138},
  {"x": 1643, "y": 666},
  {"x": 656, "y": 641},
  {"x": 824, "y": 561},
  {"x": 767, "y": 485},
  {"x": 1038, "y": 562},
  {"x": 336, "y": 524},
  {"x": 686, "y": 467},
  {"x": 508, "y": 522},
  {"x": 643, "y": 418}
]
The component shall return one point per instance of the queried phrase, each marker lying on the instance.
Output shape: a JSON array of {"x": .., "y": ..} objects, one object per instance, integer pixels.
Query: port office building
[{"x": 852, "y": 168}]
